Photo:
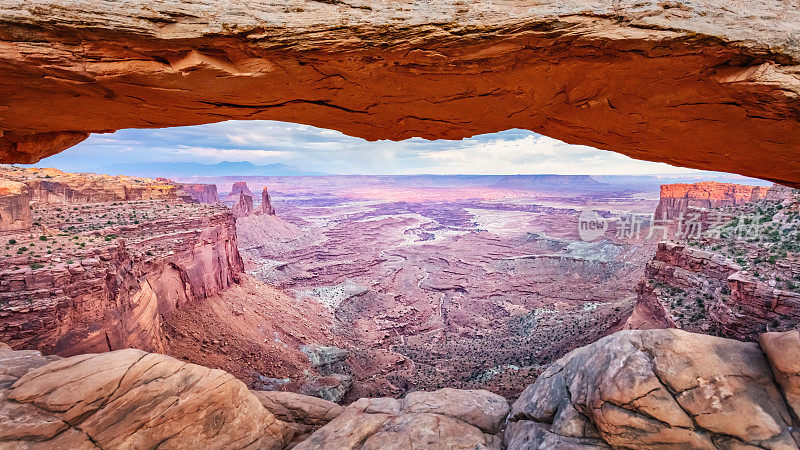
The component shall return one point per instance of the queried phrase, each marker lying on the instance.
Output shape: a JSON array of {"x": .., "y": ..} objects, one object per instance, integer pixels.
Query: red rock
[
  {"x": 240, "y": 187},
  {"x": 116, "y": 291},
  {"x": 196, "y": 192},
  {"x": 15, "y": 210},
  {"x": 677, "y": 198},
  {"x": 266, "y": 203},
  {"x": 243, "y": 206},
  {"x": 715, "y": 87},
  {"x": 659, "y": 389}
]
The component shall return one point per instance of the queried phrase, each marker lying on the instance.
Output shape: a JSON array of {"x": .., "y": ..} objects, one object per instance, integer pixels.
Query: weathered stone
[
  {"x": 126, "y": 252},
  {"x": 14, "y": 364},
  {"x": 677, "y": 198},
  {"x": 266, "y": 203},
  {"x": 331, "y": 387},
  {"x": 196, "y": 192},
  {"x": 479, "y": 408},
  {"x": 638, "y": 389},
  {"x": 243, "y": 206},
  {"x": 783, "y": 353},
  {"x": 130, "y": 398},
  {"x": 626, "y": 76},
  {"x": 15, "y": 209},
  {"x": 358, "y": 430},
  {"x": 292, "y": 407}
]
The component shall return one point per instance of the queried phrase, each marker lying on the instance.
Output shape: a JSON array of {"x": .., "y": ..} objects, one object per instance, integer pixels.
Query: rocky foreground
[{"x": 633, "y": 389}]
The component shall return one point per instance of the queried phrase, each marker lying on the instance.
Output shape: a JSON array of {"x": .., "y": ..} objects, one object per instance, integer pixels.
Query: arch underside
[{"x": 650, "y": 83}]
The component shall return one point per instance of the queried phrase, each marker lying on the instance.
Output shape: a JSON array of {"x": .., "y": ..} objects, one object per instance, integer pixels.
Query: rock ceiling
[{"x": 704, "y": 84}]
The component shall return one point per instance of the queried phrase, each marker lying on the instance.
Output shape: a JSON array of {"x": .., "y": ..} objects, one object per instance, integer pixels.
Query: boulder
[
  {"x": 134, "y": 399},
  {"x": 783, "y": 354},
  {"x": 292, "y": 407},
  {"x": 446, "y": 419},
  {"x": 331, "y": 387},
  {"x": 479, "y": 408},
  {"x": 655, "y": 388},
  {"x": 358, "y": 430}
]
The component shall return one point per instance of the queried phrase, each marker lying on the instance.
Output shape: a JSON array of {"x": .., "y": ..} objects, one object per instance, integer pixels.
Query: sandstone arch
[{"x": 708, "y": 85}]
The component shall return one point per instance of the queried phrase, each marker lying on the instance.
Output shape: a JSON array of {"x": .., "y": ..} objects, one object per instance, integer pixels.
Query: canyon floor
[
  {"x": 442, "y": 312},
  {"x": 459, "y": 282}
]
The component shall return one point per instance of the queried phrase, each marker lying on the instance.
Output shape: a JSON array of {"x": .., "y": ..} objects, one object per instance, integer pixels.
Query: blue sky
[{"x": 320, "y": 150}]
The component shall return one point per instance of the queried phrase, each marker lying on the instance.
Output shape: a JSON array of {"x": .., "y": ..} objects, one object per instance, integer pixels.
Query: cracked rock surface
[
  {"x": 132, "y": 399},
  {"x": 701, "y": 84},
  {"x": 662, "y": 388}
]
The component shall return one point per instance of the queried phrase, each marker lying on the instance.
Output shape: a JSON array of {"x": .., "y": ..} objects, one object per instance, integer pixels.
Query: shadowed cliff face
[{"x": 698, "y": 85}]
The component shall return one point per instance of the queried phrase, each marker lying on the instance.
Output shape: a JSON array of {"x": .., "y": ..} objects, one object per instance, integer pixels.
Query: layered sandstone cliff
[
  {"x": 102, "y": 270},
  {"x": 678, "y": 198},
  {"x": 240, "y": 187},
  {"x": 85, "y": 288},
  {"x": 243, "y": 206},
  {"x": 19, "y": 187},
  {"x": 197, "y": 192},
  {"x": 49, "y": 186},
  {"x": 15, "y": 210},
  {"x": 735, "y": 274},
  {"x": 698, "y": 84}
]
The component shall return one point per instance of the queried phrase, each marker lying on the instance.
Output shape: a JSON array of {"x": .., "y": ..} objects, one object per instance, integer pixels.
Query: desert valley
[{"x": 349, "y": 288}]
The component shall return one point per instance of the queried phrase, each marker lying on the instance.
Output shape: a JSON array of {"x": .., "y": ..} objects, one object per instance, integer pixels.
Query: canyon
[
  {"x": 402, "y": 312},
  {"x": 107, "y": 263},
  {"x": 733, "y": 271},
  {"x": 412, "y": 301},
  {"x": 458, "y": 282}
]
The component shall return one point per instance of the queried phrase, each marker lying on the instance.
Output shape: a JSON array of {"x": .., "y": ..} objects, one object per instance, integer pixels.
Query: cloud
[
  {"x": 211, "y": 154},
  {"x": 320, "y": 150}
]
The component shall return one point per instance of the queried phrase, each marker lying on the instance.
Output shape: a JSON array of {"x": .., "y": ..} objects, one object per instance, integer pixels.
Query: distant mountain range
[{"x": 191, "y": 169}]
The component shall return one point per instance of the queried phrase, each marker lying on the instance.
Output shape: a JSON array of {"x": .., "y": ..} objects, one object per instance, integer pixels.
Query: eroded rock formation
[
  {"x": 51, "y": 186},
  {"x": 197, "y": 192},
  {"x": 15, "y": 205},
  {"x": 243, "y": 206},
  {"x": 447, "y": 418},
  {"x": 128, "y": 399},
  {"x": 19, "y": 187},
  {"x": 266, "y": 203},
  {"x": 677, "y": 198},
  {"x": 662, "y": 388},
  {"x": 733, "y": 272},
  {"x": 114, "y": 292},
  {"x": 108, "y": 259},
  {"x": 633, "y": 389},
  {"x": 701, "y": 84},
  {"x": 706, "y": 292}
]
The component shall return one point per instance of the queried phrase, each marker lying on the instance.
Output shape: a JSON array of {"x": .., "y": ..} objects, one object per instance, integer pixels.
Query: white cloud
[
  {"x": 321, "y": 150},
  {"x": 211, "y": 154}
]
